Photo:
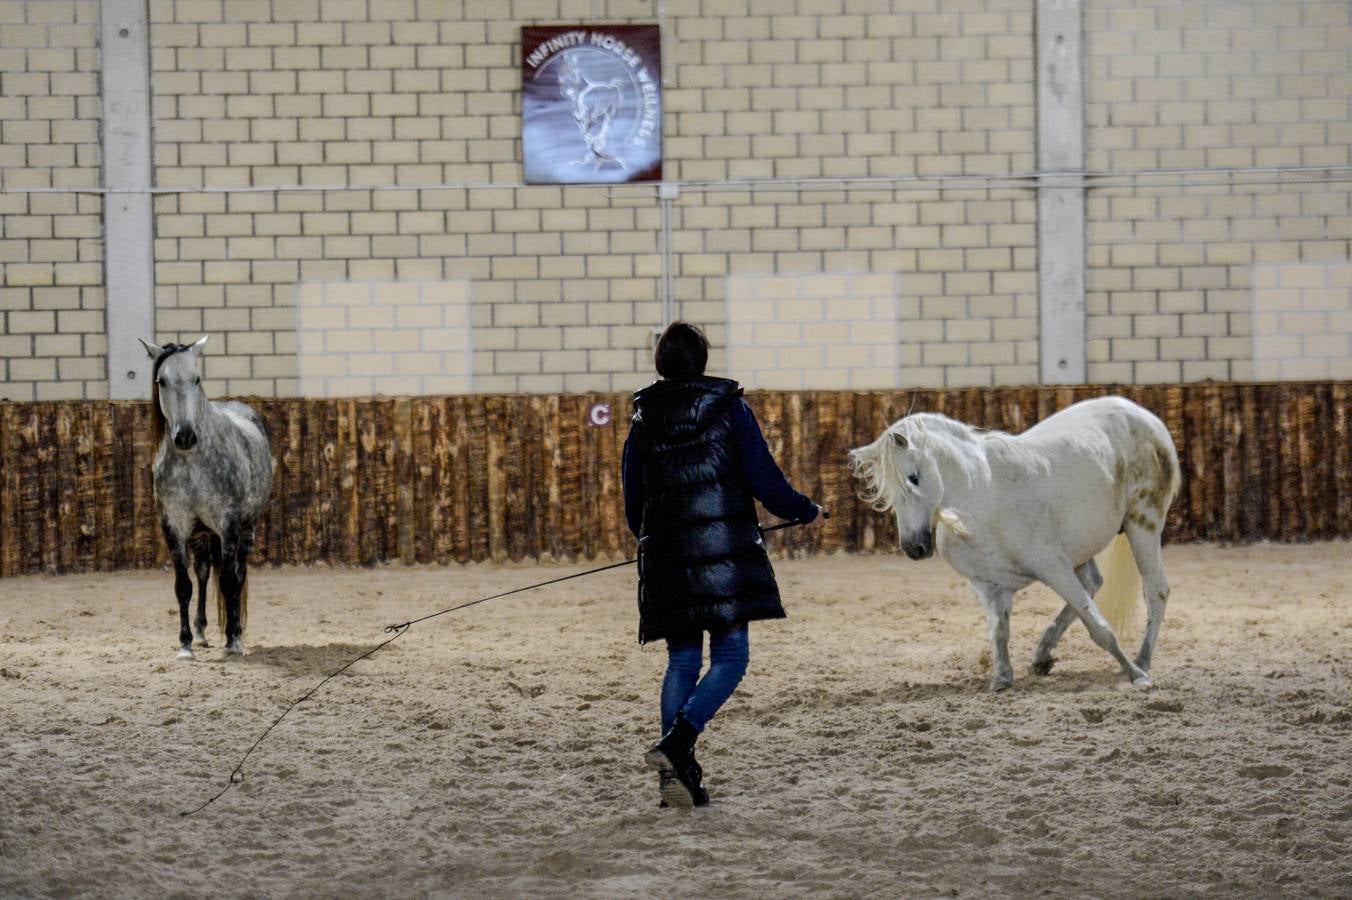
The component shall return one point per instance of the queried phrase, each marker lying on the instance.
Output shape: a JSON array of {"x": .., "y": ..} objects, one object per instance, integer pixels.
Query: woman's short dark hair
[{"x": 682, "y": 352}]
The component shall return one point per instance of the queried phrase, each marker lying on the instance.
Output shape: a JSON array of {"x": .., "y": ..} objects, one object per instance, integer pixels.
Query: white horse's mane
[
  {"x": 996, "y": 444},
  {"x": 963, "y": 447},
  {"x": 877, "y": 470},
  {"x": 873, "y": 465}
]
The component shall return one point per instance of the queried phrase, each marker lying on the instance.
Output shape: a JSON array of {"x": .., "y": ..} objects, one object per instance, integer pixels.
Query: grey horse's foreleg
[
  {"x": 1042, "y": 657},
  {"x": 202, "y": 564},
  {"x": 997, "y": 602},
  {"x": 178, "y": 550},
  {"x": 234, "y": 568}
]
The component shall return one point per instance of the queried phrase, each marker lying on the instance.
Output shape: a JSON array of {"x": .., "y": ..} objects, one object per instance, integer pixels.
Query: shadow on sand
[
  {"x": 960, "y": 688},
  {"x": 309, "y": 659}
]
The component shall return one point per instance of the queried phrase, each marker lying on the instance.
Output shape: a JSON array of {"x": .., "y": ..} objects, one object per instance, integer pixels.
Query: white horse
[{"x": 1007, "y": 510}]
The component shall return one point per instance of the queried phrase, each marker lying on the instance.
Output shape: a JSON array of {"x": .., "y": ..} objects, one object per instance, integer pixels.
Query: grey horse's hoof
[
  {"x": 1001, "y": 684},
  {"x": 1043, "y": 666}
]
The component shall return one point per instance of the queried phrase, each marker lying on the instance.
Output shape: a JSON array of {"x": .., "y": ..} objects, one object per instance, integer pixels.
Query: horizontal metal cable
[{"x": 1250, "y": 175}]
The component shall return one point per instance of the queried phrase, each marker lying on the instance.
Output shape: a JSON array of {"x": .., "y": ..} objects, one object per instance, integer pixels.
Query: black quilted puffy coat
[{"x": 702, "y": 561}]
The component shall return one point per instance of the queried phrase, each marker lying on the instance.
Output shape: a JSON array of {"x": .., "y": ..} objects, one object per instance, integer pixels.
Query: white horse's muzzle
[{"x": 919, "y": 546}]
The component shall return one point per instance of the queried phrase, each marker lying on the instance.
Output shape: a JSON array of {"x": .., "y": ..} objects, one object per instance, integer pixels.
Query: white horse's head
[
  {"x": 177, "y": 389},
  {"x": 899, "y": 474}
]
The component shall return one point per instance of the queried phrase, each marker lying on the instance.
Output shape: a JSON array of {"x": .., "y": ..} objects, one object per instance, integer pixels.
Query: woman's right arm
[{"x": 763, "y": 474}]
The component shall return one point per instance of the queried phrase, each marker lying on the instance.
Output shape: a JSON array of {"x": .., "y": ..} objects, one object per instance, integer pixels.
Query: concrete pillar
[
  {"x": 128, "y": 229},
  {"x": 1060, "y": 208}
]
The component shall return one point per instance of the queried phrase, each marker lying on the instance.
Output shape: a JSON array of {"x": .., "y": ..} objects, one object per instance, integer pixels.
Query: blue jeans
[{"x": 696, "y": 699}]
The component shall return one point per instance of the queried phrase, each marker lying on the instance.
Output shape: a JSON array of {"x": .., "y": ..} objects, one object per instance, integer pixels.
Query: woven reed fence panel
[{"x": 459, "y": 479}]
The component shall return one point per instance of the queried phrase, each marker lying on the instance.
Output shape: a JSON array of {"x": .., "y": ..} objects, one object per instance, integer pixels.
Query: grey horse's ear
[
  {"x": 899, "y": 440},
  {"x": 197, "y": 345},
  {"x": 151, "y": 350}
]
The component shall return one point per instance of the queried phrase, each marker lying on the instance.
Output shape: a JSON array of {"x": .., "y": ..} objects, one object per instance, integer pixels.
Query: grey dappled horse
[{"x": 213, "y": 474}]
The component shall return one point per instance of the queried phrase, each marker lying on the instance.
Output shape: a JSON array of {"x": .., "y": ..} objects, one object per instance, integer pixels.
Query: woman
[{"x": 694, "y": 464}]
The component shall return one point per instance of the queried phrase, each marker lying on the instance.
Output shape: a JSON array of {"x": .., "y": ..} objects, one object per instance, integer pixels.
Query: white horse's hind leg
[
  {"x": 1067, "y": 584},
  {"x": 1042, "y": 657},
  {"x": 997, "y": 602},
  {"x": 1145, "y": 548},
  {"x": 1090, "y": 577}
]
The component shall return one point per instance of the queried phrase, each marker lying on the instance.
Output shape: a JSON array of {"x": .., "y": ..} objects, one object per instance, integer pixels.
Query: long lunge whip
[{"x": 399, "y": 630}]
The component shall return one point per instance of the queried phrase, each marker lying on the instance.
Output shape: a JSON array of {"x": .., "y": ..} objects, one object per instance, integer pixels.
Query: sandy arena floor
[{"x": 496, "y": 752}]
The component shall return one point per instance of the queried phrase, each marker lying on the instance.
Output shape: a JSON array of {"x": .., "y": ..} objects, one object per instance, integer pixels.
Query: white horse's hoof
[
  {"x": 1142, "y": 682},
  {"x": 185, "y": 653}
]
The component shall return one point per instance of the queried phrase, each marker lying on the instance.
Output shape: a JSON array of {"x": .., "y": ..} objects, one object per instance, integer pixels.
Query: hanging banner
[{"x": 591, "y": 107}]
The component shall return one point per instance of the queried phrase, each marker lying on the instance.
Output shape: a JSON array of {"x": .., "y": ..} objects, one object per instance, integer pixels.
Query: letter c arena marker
[{"x": 599, "y": 415}]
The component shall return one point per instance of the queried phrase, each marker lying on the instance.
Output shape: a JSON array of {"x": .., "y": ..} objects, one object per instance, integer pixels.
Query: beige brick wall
[
  {"x": 393, "y": 338},
  {"x": 962, "y": 263},
  {"x": 1208, "y": 85},
  {"x": 565, "y": 281},
  {"x": 51, "y": 250},
  {"x": 819, "y": 332},
  {"x": 1302, "y": 321},
  {"x": 876, "y": 90},
  {"x": 251, "y": 97}
]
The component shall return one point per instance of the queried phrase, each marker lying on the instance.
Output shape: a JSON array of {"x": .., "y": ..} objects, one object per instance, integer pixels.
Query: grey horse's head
[{"x": 177, "y": 390}]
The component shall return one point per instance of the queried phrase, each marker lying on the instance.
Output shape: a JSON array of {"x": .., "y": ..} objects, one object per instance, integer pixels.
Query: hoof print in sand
[{"x": 1169, "y": 706}]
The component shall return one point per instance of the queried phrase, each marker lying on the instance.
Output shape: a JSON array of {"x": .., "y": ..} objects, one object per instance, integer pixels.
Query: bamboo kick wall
[{"x": 459, "y": 479}]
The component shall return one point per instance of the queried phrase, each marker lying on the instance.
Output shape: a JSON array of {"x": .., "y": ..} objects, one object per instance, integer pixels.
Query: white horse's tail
[{"x": 1120, "y": 596}]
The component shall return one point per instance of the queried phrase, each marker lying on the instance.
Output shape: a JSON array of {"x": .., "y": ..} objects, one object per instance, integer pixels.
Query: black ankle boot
[
  {"x": 664, "y": 779},
  {"x": 676, "y": 753},
  {"x": 667, "y": 783}
]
